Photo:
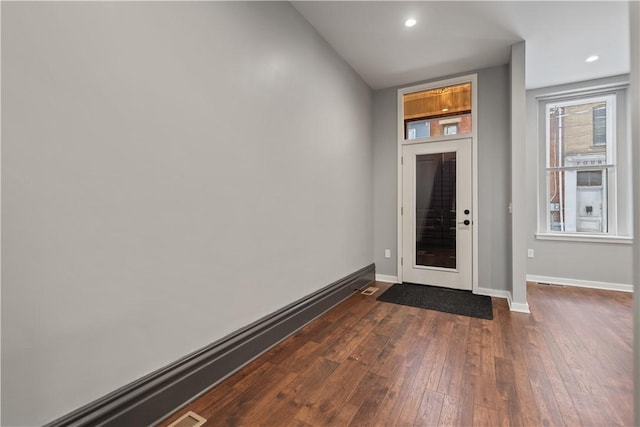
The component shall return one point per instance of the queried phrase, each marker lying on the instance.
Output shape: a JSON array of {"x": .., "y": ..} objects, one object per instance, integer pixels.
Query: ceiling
[{"x": 451, "y": 37}]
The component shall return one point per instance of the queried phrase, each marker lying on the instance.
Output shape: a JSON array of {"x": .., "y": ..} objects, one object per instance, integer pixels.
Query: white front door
[{"x": 436, "y": 214}]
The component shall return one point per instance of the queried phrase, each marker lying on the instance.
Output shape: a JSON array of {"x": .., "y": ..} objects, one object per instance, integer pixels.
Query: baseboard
[
  {"x": 580, "y": 283},
  {"x": 498, "y": 293},
  {"x": 157, "y": 395},
  {"x": 386, "y": 279},
  {"x": 518, "y": 306}
]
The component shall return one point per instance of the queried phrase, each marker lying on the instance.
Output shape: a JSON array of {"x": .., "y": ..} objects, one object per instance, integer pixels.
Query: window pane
[
  {"x": 578, "y": 201},
  {"x": 436, "y": 210},
  {"x": 418, "y": 129},
  {"x": 600, "y": 124},
  {"x": 450, "y": 129},
  {"x": 436, "y": 112},
  {"x": 577, "y": 134},
  {"x": 589, "y": 178},
  {"x": 438, "y": 127}
]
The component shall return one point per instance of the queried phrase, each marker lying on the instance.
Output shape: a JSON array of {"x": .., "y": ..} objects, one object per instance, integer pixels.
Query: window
[
  {"x": 582, "y": 176},
  {"x": 418, "y": 129},
  {"x": 599, "y": 125},
  {"x": 437, "y": 112},
  {"x": 450, "y": 129}
]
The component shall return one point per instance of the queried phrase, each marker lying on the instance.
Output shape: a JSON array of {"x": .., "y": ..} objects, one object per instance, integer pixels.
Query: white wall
[
  {"x": 493, "y": 177},
  {"x": 605, "y": 263},
  {"x": 171, "y": 172}
]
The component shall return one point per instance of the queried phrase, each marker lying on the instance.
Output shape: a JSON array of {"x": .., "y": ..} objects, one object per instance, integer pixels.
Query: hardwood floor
[{"x": 369, "y": 363}]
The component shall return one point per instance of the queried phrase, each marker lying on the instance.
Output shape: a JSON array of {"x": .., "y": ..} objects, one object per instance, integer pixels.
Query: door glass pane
[{"x": 436, "y": 210}]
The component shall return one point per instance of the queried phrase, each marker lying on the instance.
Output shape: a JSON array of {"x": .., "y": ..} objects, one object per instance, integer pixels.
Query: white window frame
[{"x": 617, "y": 156}]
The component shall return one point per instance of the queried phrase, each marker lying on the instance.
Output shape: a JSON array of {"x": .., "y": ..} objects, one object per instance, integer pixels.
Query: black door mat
[{"x": 440, "y": 299}]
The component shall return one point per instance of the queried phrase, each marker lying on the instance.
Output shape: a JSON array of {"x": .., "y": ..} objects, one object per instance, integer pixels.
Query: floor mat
[{"x": 440, "y": 299}]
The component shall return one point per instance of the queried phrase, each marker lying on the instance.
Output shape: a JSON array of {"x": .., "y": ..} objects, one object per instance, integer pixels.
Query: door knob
[{"x": 465, "y": 222}]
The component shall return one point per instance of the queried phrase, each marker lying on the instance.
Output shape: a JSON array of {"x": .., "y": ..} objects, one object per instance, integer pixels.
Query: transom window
[{"x": 437, "y": 112}]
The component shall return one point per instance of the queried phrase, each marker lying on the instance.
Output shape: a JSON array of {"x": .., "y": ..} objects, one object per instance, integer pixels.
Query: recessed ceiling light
[
  {"x": 592, "y": 58},
  {"x": 410, "y": 22},
  {"x": 445, "y": 110}
]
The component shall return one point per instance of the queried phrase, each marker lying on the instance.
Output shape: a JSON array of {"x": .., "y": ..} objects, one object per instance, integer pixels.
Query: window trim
[
  {"x": 585, "y": 237},
  {"x": 618, "y": 169}
]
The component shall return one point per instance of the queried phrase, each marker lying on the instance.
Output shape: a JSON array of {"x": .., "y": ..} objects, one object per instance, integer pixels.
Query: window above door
[{"x": 438, "y": 111}]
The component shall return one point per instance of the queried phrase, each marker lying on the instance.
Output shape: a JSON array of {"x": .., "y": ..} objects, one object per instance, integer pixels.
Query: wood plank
[
  {"x": 485, "y": 392},
  {"x": 473, "y": 363},
  {"x": 509, "y": 402},
  {"x": 369, "y": 404},
  {"x": 430, "y": 409},
  {"x": 485, "y": 417},
  {"x": 545, "y": 399},
  {"x": 449, "y": 411},
  {"x": 392, "y": 404},
  {"x": 325, "y": 403},
  {"x": 255, "y": 410},
  {"x": 450, "y": 382},
  {"x": 437, "y": 351},
  {"x": 295, "y": 395}
]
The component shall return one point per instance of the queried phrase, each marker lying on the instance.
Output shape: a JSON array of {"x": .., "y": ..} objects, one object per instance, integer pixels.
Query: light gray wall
[
  {"x": 171, "y": 172},
  {"x": 385, "y": 179},
  {"x": 494, "y": 186},
  {"x": 493, "y": 177},
  {"x": 517, "y": 66},
  {"x": 599, "y": 262}
]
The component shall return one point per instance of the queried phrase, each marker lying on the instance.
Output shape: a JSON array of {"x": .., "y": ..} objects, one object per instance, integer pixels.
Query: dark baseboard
[{"x": 153, "y": 397}]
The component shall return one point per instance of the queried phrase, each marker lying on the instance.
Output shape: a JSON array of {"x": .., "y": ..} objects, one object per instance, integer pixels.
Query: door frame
[{"x": 470, "y": 78}]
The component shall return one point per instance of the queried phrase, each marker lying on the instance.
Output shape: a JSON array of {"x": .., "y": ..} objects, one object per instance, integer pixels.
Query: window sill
[{"x": 587, "y": 238}]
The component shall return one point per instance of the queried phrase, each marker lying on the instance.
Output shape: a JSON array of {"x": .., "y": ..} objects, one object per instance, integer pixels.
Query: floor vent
[
  {"x": 551, "y": 284},
  {"x": 369, "y": 291},
  {"x": 190, "y": 419}
]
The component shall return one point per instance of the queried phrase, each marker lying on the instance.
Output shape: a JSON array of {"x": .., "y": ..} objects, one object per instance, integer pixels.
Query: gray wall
[
  {"x": 518, "y": 117},
  {"x": 600, "y": 262},
  {"x": 171, "y": 172},
  {"x": 493, "y": 177},
  {"x": 385, "y": 179}
]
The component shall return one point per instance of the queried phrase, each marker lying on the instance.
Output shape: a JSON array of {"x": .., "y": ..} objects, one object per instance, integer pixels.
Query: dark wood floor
[{"x": 368, "y": 363}]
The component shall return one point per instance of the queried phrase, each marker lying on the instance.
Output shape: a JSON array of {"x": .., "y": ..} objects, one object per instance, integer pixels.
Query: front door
[{"x": 436, "y": 214}]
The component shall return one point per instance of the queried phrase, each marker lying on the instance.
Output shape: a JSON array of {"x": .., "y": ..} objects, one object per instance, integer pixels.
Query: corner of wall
[{"x": 518, "y": 182}]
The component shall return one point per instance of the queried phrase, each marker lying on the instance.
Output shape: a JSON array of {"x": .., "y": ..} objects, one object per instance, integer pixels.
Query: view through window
[
  {"x": 437, "y": 112},
  {"x": 580, "y": 136}
]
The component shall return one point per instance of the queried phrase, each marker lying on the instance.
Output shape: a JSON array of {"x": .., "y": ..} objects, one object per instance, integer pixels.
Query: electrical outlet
[
  {"x": 530, "y": 253},
  {"x": 387, "y": 253}
]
